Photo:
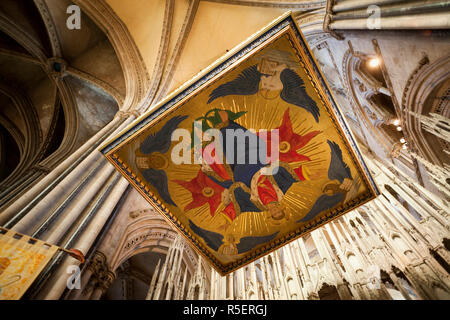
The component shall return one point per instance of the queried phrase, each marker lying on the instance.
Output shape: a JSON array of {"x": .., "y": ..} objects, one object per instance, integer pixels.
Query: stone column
[
  {"x": 104, "y": 281},
  {"x": 85, "y": 235},
  {"x": 151, "y": 287},
  {"x": 359, "y": 268},
  {"x": 311, "y": 294},
  {"x": 397, "y": 253},
  {"x": 292, "y": 268},
  {"x": 342, "y": 288},
  {"x": 33, "y": 196}
]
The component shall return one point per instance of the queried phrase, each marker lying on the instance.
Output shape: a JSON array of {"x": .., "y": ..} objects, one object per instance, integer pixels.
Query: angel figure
[
  {"x": 237, "y": 186},
  {"x": 334, "y": 192},
  {"x": 151, "y": 159},
  {"x": 271, "y": 78},
  {"x": 228, "y": 244}
]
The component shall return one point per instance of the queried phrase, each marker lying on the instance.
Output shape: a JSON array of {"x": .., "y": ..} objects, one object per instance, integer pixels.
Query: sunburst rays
[{"x": 260, "y": 115}]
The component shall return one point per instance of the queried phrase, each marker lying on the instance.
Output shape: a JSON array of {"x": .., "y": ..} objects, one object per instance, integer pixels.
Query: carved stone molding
[
  {"x": 418, "y": 99},
  {"x": 288, "y": 4},
  {"x": 125, "y": 114},
  {"x": 163, "y": 53},
  {"x": 32, "y": 136},
  {"x": 176, "y": 53},
  {"x": 137, "y": 213},
  {"x": 50, "y": 26},
  {"x": 351, "y": 61},
  {"x": 32, "y": 45},
  {"x": 328, "y": 19}
]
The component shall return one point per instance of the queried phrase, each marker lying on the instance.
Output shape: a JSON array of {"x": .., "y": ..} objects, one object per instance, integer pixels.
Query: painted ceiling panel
[{"x": 233, "y": 208}]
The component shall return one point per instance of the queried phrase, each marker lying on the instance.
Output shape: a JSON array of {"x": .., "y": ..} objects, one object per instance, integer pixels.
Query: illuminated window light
[
  {"x": 374, "y": 62},
  {"x": 396, "y": 122}
]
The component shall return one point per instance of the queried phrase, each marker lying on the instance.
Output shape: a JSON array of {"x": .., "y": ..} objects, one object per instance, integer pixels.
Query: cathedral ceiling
[{"x": 55, "y": 90}]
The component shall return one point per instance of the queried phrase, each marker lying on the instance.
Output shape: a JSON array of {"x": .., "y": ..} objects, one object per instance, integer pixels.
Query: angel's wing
[
  {"x": 294, "y": 92},
  {"x": 160, "y": 141},
  {"x": 246, "y": 83},
  {"x": 322, "y": 203},
  {"x": 158, "y": 179},
  {"x": 248, "y": 243},
  {"x": 338, "y": 169},
  {"x": 213, "y": 239}
]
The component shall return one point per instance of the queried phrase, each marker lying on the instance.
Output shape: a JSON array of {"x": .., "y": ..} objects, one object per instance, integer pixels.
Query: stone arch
[
  {"x": 391, "y": 287},
  {"x": 409, "y": 207},
  {"x": 407, "y": 283},
  {"x": 442, "y": 262},
  {"x": 375, "y": 118},
  {"x": 425, "y": 92},
  {"x": 146, "y": 235},
  {"x": 59, "y": 65},
  {"x": 32, "y": 135},
  {"x": 149, "y": 238}
]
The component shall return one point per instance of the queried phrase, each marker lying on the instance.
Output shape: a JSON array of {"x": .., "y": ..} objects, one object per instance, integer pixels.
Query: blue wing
[
  {"x": 322, "y": 203},
  {"x": 244, "y": 202},
  {"x": 294, "y": 92},
  {"x": 284, "y": 179},
  {"x": 246, "y": 83},
  {"x": 338, "y": 169},
  {"x": 213, "y": 240},
  {"x": 158, "y": 179},
  {"x": 248, "y": 243},
  {"x": 160, "y": 141}
]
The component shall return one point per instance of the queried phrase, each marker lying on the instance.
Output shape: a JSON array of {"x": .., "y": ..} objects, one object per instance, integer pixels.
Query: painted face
[
  {"x": 153, "y": 161},
  {"x": 271, "y": 71},
  {"x": 271, "y": 82},
  {"x": 276, "y": 211}
]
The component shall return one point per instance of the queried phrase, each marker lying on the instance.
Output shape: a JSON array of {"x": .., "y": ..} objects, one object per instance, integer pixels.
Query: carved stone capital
[
  {"x": 102, "y": 277},
  {"x": 125, "y": 114},
  {"x": 105, "y": 279},
  {"x": 326, "y": 27}
]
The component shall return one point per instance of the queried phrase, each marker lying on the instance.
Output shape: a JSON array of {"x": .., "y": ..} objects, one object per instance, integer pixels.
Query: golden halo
[
  {"x": 158, "y": 161},
  {"x": 208, "y": 192},
  {"x": 285, "y": 146}
]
